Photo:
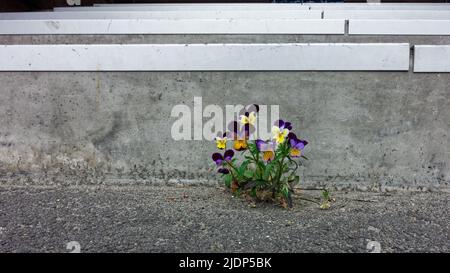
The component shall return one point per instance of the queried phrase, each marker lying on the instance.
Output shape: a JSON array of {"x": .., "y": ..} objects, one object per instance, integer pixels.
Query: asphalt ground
[{"x": 210, "y": 219}]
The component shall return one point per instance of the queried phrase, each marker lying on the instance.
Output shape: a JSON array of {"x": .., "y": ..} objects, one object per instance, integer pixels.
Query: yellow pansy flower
[
  {"x": 248, "y": 118},
  {"x": 279, "y": 134},
  {"x": 221, "y": 142},
  {"x": 240, "y": 144}
]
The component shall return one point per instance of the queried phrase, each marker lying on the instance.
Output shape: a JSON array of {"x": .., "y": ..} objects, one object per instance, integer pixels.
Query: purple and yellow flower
[
  {"x": 248, "y": 118},
  {"x": 280, "y": 131},
  {"x": 240, "y": 135},
  {"x": 240, "y": 142},
  {"x": 223, "y": 171},
  {"x": 283, "y": 124},
  {"x": 221, "y": 142},
  {"x": 267, "y": 149},
  {"x": 219, "y": 159},
  {"x": 279, "y": 135},
  {"x": 297, "y": 145}
]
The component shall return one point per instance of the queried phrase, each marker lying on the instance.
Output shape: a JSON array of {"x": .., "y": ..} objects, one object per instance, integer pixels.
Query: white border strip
[
  {"x": 399, "y": 27},
  {"x": 206, "y": 57},
  {"x": 379, "y": 6},
  {"x": 200, "y": 6},
  {"x": 388, "y": 14},
  {"x": 432, "y": 58},
  {"x": 172, "y": 15},
  {"x": 259, "y": 6},
  {"x": 169, "y": 14},
  {"x": 189, "y": 7},
  {"x": 238, "y": 26}
]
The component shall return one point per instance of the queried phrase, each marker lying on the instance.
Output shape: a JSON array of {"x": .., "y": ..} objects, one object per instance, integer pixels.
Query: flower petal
[
  {"x": 233, "y": 126},
  {"x": 292, "y": 136},
  {"x": 295, "y": 152},
  {"x": 280, "y": 123},
  {"x": 216, "y": 157},
  {"x": 252, "y": 118},
  {"x": 292, "y": 142},
  {"x": 244, "y": 119},
  {"x": 268, "y": 156},
  {"x": 223, "y": 170},
  {"x": 300, "y": 145},
  {"x": 221, "y": 143},
  {"x": 275, "y": 130},
  {"x": 288, "y": 125},
  {"x": 258, "y": 143},
  {"x": 228, "y": 154}
]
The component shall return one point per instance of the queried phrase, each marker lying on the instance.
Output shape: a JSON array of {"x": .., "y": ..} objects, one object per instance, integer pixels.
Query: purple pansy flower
[
  {"x": 297, "y": 145},
  {"x": 219, "y": 158},
  {"x": 237, "y": 131},
  {"x": 240, "y": 135},
  {"x": 266, "y": 148},
  {"x": 223, "y": 171},
  {"x": 283, "y": 124}
]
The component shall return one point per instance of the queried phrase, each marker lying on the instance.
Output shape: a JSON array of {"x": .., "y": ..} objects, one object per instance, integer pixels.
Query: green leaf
[
  {"x": 238, "y": 192},
  {"x": 252, "y": 148},
  {"x": 253, "y": 192},
  {"x": 243, "y": 167},
  {"x": 261, "y": 165},
  {"x": 260, "y": 182},
  {"x": 326, "y": 195},
  {"x": 227, "y": 179},
  {"x": 296, "y": 180},
  {"x": 285, "y": 191},
  {"x": 248, "y": 174},
  {"x": 267, "y": 171}
]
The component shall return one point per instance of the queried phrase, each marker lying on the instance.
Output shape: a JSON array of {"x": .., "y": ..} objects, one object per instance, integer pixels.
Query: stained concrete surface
[
  {"x": 222, "y": 38},
  {"x": 208, "y": 219},
  {"x": 370, "y": 131},
  {"x": 366, "y": 130}
]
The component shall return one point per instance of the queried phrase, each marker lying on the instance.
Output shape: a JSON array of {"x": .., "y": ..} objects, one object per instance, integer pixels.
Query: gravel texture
[{"x": 210, "y": 219}]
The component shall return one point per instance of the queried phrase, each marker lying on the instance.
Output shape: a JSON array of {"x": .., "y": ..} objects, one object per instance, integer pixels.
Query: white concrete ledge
[
  {"x": 380, "y": 6},
  {"x": 205, "y": 57},
  {"x": 189, "y": 7},
  {"x": 387, "y": 14},
  {"x": 168, "y": 15},
  {"x": 174, "y": 14},
  {"x": 266, "y": 6},
  {"x": 289, "y": 14},
  {"x": 432, "y": 58},
  {"x": 399, "y": 27},
  {"x": 182, "y": 26}
]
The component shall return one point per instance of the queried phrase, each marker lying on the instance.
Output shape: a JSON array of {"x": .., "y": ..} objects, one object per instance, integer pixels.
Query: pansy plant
[{"x": 261, "y": 168}]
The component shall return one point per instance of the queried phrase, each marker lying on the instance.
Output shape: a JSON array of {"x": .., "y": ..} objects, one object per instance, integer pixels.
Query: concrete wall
[{"x": 367, "y": 130}]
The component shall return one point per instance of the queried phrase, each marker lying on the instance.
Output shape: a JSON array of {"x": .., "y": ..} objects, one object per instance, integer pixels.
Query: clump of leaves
[
  {"x": 326, "y": 200},
  {"x": 263, "y": 169}
]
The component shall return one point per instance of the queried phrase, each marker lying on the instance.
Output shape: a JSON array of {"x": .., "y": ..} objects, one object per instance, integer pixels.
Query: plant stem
[
  {"x": 231, "y": 165},
  {"x": 280, "y": 170},
  {"x": 256, "y": 158}
]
